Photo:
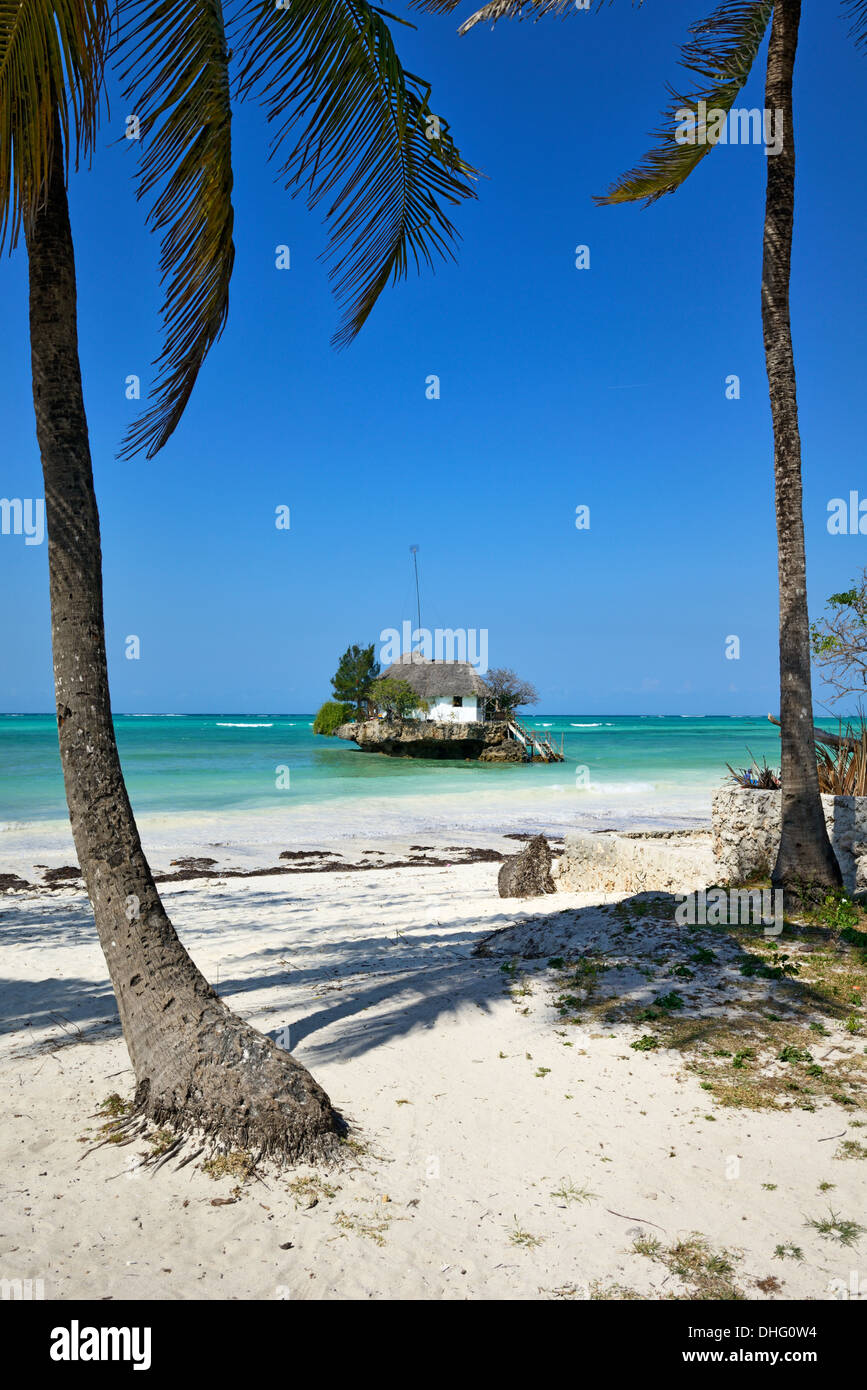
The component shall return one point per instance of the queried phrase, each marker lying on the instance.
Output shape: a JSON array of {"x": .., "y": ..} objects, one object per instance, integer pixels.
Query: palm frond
[
  {"x": 858, "y": 30},
  {"x": 52, "y": 58},
  {"x": 512, "y": 9},
  {"x": 434, "y": 6},
  {"x": 356, "y": 129},
  {"x": 721, "y": 52},
  {"x": 176, "y": 75}
]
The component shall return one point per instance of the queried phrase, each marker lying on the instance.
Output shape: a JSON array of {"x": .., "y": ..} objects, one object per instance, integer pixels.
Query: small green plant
[
  {"x": 837, "y": 911},
  {"x": 669, "y": 1002},
  {"x": 309, "y": 1192},
  {"x": 704, "y": 1272},
  {"x": 851, "y": 1148},
  {"x": 524, "y": 1238},
  {"x": 567, "y": 1003},
  {"x": 114, "y": 1107},
  {"x": 648, "y": 1246},
  {"x": 568, "y": 1192},
  {"x": 790, "y": 1053},
  {"x": 646, "y": 1043},
  {"x": 775, "y": 968},
  {"x": 833, "y": 1228},
  {"x": 161, "y": 1141},
  {"x": 236, "y": 1164},
  {"x": 352, "y": 1224}
]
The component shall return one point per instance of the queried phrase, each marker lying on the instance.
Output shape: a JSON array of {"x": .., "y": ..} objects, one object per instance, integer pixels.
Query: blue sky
[{"x": 559, "y": 387}]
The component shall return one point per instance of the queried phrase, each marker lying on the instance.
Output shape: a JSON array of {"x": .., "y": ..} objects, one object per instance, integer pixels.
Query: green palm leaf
[
  {"x": 176, "y": 72},
  {"x": 509, "y": 9},
  {"x": 859, "y": 20},
  {"x": 353, "y": 127},
  {"x": 52, "y": 58},
  {"x": 721, "y": 52},
  {"x": 435, "y": 6}
]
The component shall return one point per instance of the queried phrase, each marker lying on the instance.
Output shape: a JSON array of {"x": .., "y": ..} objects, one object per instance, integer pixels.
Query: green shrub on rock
[{"x": 331, "y": 715}]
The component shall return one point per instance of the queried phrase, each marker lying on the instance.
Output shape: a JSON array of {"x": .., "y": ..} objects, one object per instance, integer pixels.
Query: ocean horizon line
[{"x": 311, "y": 714}]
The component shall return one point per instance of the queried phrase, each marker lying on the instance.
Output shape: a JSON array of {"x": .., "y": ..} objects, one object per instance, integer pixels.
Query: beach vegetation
[
  {"x": 114, "y": 1107},
  {"x": 834, "y": 1227},
  {"x": 757, "y": 776},
  {"x": 705, "y": 1273},
  {"x": 600, "y": 1292},
  {"x": 569, "y": 1192},
  {"x": 851, "y": 1148},
  {"x": 309, "y": 1191},
  {"x": 161, "y": 1140},
  {"x": 843, "y": 765},
  {"x": 352, "y": 1223},
  {"x": 747, "y": 1021},
  {"x": 840, "y": 912},
  {"x": 331, "y": 715},
  {"x": 237, "y": 1163},
  {"x": 649, "y": 1246},
  {"x": 525, "y": 1239}
]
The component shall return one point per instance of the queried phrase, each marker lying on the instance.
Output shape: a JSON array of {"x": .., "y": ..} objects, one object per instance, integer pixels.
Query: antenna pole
[{"x": 414, "y": 553}]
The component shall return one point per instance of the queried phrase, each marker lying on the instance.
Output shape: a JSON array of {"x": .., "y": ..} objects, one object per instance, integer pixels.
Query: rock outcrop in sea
[{"x": 424, "y": 738}]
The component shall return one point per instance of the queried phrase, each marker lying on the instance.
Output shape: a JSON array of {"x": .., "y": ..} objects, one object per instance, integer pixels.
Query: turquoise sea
[{"x": 243, "y": 776}]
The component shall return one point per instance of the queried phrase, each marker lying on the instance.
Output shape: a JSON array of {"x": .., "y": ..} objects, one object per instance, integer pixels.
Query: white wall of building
[{"x": 444, "y": 712}]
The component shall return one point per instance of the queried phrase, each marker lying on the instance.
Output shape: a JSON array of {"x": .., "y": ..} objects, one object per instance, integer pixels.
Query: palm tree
[
  {"x": 356, "y": 128},
  {"x": 721, "y": 53}
]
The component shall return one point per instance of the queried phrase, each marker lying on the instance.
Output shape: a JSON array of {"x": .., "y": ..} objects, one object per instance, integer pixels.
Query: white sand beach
[{"x": 496, "y": 1151}]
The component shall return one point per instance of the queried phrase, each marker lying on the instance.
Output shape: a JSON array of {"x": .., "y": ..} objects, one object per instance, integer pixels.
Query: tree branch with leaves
[
  {"x": 507, "y": 692},
  {"x": 839, "y": 641}
]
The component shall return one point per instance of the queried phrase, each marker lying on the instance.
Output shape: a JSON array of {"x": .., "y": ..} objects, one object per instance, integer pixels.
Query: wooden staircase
[{"x": 537, "y": 748}]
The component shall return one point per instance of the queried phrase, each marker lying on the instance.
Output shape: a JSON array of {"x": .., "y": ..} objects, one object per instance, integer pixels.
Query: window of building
[{"x": 457, "y": 701}]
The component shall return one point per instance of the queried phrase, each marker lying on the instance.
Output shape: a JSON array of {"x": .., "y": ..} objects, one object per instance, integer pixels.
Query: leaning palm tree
[
  {"x": 351, "y": 126},
  {"x": 721, "y": 53}
]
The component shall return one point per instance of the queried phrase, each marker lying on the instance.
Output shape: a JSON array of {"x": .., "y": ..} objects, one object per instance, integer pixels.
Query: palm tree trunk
[
  {"x": 197, "y": 1065},
  {"x": 805, "y": 856}
]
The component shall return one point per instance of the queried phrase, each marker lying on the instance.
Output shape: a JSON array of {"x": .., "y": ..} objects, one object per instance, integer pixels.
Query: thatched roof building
[{"x": 453, "y": 690}]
